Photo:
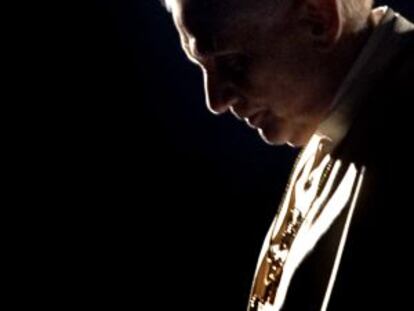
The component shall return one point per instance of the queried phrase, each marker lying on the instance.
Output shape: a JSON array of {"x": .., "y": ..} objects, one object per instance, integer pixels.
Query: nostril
[
  {"x": 216, "y": 106},
  {"x": 230, "y": 97},
  {"x": 218, "y": 109},
  {"x": 223, "y": 101},
  {"x": 228, "y": 94}
]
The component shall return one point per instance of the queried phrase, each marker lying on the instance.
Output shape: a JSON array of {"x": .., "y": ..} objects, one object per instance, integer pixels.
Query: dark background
[{"x": 160, "y": 201}]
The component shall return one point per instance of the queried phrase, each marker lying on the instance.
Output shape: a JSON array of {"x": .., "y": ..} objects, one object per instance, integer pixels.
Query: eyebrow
[{"x": 196, "y": 57}]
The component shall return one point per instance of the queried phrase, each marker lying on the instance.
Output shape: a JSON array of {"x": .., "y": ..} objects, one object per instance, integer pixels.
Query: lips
[{"x": 254, "y": 120}]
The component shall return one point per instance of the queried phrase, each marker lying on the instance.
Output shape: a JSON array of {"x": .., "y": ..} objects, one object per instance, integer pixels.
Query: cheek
[
  {"x": 273, "y": 87},
  {"x": 261, "y": 80}
]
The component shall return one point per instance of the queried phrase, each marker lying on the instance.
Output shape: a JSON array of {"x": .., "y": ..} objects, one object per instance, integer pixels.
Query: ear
[{"x": 323, "y": 22}]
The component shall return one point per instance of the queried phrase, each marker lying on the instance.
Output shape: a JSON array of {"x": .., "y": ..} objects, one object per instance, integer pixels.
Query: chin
[
  {"x": 299, "y": 141},
  {"x": 278, "y": 138},
  {"x": 274, "y": 139},
  {"x": 295, "y": 144}
]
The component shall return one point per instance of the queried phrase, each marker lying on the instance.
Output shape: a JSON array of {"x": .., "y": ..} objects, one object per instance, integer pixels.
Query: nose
[{"x": 220, "y": 95}]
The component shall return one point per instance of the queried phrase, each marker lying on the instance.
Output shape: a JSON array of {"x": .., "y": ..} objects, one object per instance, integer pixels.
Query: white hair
[
  {"x": 167, "y": 4},
  {"x": 354, "y": 12}
]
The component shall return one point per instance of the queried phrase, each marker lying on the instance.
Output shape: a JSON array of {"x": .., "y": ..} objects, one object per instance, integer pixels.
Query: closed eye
[{"x": 233, "y": 63}]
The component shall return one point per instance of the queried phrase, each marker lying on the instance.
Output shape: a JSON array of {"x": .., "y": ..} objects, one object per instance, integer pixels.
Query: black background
[{"x": 154, "y": 199}]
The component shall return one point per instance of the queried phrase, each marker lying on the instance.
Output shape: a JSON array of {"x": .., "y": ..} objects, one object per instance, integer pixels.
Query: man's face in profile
[{"x": 256, "y": 63}]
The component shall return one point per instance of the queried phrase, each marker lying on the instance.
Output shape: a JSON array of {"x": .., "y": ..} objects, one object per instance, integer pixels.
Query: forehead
[{"x": 215, "y": 23}]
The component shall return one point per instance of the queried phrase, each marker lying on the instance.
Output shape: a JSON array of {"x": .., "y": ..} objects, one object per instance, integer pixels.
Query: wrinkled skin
[{"x": 272, "y": 65}]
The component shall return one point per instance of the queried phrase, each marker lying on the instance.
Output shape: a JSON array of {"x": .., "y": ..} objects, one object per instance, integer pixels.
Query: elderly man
[{"x": 331, "y": 76}]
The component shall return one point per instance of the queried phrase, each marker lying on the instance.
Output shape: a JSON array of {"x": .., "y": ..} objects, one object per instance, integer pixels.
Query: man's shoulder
[
  {"x": 403, "y": 78},
  {"x": 403, "y": 68},
  {"x": 392, "y": 98}
]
